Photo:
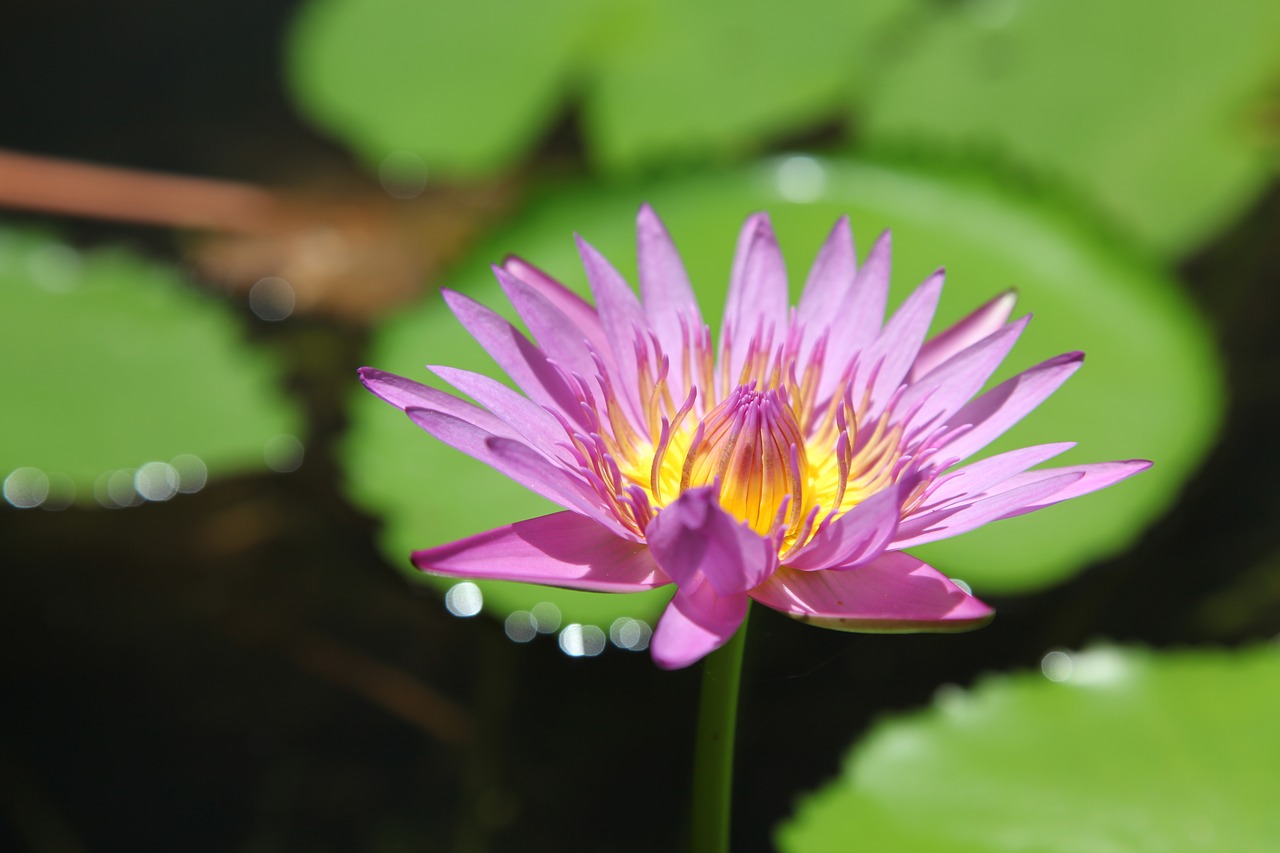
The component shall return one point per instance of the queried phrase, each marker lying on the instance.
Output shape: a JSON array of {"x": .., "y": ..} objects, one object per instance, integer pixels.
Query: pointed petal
[
  {"x": 1003, "y": 406},
  {"x": 573, "y": 306},
  {"x": 827, "y": 288},
  {"x": 953, "y": 383},
  {"x": 665, "y": 293},
  {"x": 952, "y": 521},
  {"x": 521, "y": 360},
  {"x": 758, "y": 300},
  {"x": 987, "y": 320},
  {"x": 893, "y": 593},
  {"x": 525, "y": 418},
  {"x": 1094, "y": 476},
  {"x": 563, "y": 549},
  {"x": 972, "y": 481},
  {"x": 405, "y": 394},
  {"x": 857, "y": 323},
  {"x": 890, "y": 357},
  {"x": 695, "y": 624},
  {"x": 693, "y": 537},
  {"x": 559, "y": 338},
  {"x": 622, "y": 318},
  {"x": 859, "y": 535}
]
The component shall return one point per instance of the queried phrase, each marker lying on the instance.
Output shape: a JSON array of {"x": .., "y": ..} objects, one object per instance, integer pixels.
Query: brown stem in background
[{"x": 53, "y": 185}]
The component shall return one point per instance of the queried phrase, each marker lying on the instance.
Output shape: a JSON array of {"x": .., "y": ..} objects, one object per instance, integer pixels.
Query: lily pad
[
  {"x": 1124, "y": 750},
  {"x": 469, "y": 87},
  {"x": 1151, "y": 388},
  {"x": 1155, "y": 109},
  {"x": 121, "y": 383}
]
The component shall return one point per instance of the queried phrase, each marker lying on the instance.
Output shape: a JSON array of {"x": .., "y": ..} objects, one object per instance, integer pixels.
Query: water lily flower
[{"x": 791, "y": 463}]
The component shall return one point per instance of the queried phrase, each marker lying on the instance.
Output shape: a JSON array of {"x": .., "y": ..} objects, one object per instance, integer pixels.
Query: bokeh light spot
[
  {"x": 26, "y": 488},
  {"x": 283, "y": 453},
  {"x": 801, "y": 179},
  {"x": 464, "y": 599},
  {"x": 272, "y": 298},
  {"x": 156, "y": 481},
  {"x": 581, "y": 641},
  {"x": 403, "y": 174},
  {"x": 520, "y": 626}
]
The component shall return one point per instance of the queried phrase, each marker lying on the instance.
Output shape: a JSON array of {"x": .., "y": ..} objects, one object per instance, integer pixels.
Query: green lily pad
[
  {"x": 1126, "y": 750},
  {"x": 122, "y": 384},
  {"x": 1151, "y": 387},
  {"x": 1156, "y": 109},
  {"x": 469, "y": 87}
]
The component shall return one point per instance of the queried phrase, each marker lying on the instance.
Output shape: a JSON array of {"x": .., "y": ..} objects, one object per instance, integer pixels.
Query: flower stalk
[{"x": 713, "y": 751}]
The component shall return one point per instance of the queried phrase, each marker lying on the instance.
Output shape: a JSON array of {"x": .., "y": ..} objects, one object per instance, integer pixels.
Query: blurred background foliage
[{"x": 212, "y": 631}]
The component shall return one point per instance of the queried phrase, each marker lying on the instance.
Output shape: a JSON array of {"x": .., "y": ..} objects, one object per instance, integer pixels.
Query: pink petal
[
  {"x": 974, "y": 480},
  {"x": 987, "y": 320},
  {"x": 563, "y": 549},
  {"x": 758, "y": 299},
  {"x": 825, "y": 291},
  {"x": 521, "y": 360},
  {"x": 1092, "y": 477},
  {"x": 526, "y": 419},
  {"x": 692, "y": 537},
  {"x": 859, "y": 535},
  {"x": 952, "y": 521},
  {"x": 893, "y": 593},
  {"x": 695, "y": 624},
  {"x": 573, "y": 306},
  {"x": 405, "y": 394},
  {"x": 667, "y": 297},
  {"x": 558, "y": 337},
  {"x": 889, "y": 358},
  {"x": 860, "y": 316},
  {"x": 622, "y": 318},
  {"x": 953, "y": 383},
  {"x": 1006, "y": 404}
]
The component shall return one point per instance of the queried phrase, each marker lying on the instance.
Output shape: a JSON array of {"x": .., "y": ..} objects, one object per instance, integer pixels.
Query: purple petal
[
  {"x": 526, "y": 419},
  {"x": 861, "y": 315},
  {"x": 859, "y": 535},
  {"x": 825, "y": 291},
  {"x": 622, "y": 318},
  {"x": 891, "y": 355},
  {"x": 987, "y": 320},
  {"x": 972, "y": 481},
  {"x": 758, "y": 300},
  {"x": 953, "y": 383},
  {"x": 1092, "y": 477},
  {"x": 563, "y": 549},
  {"x": 695, "y": 624},
  {"x": 558, "y": 337},
  {"x": 693, "y": 537},
  {"x": 1006, "y": 404},
  {"x": 952, "y": 521},
  {"x": 521, "y": 360},
  {"x": 666, "y": 296},
  {"x": 405, "y": 394},
  {"x": 573, "y": 306},
  {"x": 893, "y": 593}
]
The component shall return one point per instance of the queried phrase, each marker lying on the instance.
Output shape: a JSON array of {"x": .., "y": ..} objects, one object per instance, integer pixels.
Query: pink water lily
[{"x": 791, "y": 464}]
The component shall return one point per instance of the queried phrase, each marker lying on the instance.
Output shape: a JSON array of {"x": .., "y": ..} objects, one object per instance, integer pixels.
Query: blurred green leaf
[
  {"x": 1150, "y": 387},
  {"x": 470, "y": 86},
  {"x": 1128, "y": 751},
  {"x": 108, "y": 363},
  {"x": 1157, "y": 110}
]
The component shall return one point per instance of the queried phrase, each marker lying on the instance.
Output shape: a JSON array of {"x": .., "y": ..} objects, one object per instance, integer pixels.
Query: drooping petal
[
  {"x": 827, "y": 287},
  {"x": 889, "y": 358},
  {"x": 953, "y": 383},
  {"x": 985, "y": 321},
  {"x": 757, "y": 303},
  {"x": 696, "y": 622},
  {"x": 952, "y": 521},
  {"x": 693, "y": 537},
  {"x": 859, "y": 535},
  {"x": 525, "y": 418},
  {"x": 1092, "y": 476},
  {"x": 405, "y": 394},
  {"x": 665, "y": 293},
  {"x": 521, "y": 360},
  {"x": 1009, "y": 402},
  {"x": 562, "y": 549},
  {"x": 893, "y": 593}
]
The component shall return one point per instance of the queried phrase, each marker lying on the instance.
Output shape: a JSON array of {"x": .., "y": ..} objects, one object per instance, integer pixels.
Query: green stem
[{"x": 713, "y": 752}]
